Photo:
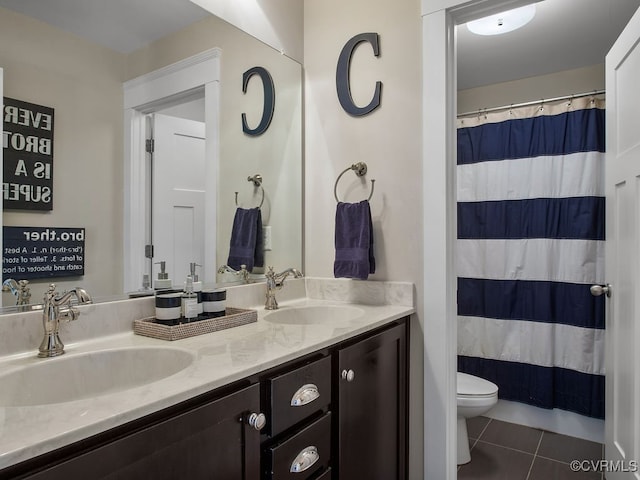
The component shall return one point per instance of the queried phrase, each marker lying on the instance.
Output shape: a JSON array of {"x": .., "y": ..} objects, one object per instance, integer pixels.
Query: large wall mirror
[{"x": 84, "y": 82}]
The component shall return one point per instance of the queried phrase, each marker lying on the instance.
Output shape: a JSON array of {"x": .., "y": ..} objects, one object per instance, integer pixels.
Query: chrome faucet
[
  {"x": 56, "y": 309},
  {"x": 242, "y": 273},
  {"x": 19, "y": 288},
  {"x": 275, "y": 281}
]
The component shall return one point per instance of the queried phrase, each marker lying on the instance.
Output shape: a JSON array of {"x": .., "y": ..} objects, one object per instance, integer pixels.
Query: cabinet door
[
  {"x": 210, "y": 441},
  {"x": 372, "y": 407}
]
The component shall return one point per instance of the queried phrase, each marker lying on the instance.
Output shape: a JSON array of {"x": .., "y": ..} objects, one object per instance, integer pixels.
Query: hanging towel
[
  {"x": 354, "y": 241},
  {"x": 246, "y": 246}
]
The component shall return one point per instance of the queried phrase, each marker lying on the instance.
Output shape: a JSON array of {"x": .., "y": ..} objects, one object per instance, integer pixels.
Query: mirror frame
[
  {"x": 1, "y": 161},
  {"x": 172, "y": 84}
]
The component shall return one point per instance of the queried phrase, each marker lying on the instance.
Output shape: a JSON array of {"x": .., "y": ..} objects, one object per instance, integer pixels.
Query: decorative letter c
[
  {"x": 269, "y": 100},
  {"x": 342, "y": 75}
]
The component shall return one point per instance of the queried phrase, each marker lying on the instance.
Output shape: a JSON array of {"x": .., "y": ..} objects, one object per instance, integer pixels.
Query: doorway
[
  {"x": 439, "y": 115},
  {"x": 191, "y": 79}
]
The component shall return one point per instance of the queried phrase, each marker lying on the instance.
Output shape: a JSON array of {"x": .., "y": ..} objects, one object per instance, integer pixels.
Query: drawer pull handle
[
  {"x": 257, "y": 420},
  {"x": 304, "y": 395},
  {"x": 305, "y": 460}
]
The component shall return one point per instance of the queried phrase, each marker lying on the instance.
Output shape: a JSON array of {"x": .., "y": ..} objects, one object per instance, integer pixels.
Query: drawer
[
  {"x": 295, "y": 395},
  {"x": 304, "y": 454},
  {"x": 326, "y": 475}
]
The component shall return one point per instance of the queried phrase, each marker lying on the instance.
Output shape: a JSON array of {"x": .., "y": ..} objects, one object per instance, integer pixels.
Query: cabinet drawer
[
  {"x": 326, "y": 475},
  {"x": 302, "y": 455},
  {"x": 295, "y": 395}
]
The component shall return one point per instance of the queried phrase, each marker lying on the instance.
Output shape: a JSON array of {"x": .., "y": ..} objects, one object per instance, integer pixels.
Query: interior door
[
  {"x": 178, "y": 193},
  {"x": 622, "y": 423}
]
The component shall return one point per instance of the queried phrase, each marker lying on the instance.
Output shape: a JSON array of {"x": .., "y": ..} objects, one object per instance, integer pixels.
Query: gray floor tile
[
  {"x": 512, "y": 435},
  {"x": 564, "y": 448},
  {"x": 491, "y": 462},
  {"x": 544, "y": 469},
  {"x": 476, "y": 425}
]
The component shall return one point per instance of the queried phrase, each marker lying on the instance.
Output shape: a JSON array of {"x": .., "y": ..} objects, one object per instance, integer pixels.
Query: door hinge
[
  {"x": 148, "y": 251},
  {"x": 150, "y": 145}
]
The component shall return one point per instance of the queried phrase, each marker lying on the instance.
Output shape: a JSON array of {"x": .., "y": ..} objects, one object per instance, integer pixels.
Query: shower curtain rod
[{"x": 534, "y": 102}]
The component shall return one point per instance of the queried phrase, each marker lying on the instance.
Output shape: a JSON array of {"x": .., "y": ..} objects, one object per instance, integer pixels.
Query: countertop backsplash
[{"x": 22, "y": 332}]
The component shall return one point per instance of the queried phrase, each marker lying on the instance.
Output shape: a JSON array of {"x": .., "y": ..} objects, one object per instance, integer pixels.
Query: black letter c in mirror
[{"x": 269, "y": 100}]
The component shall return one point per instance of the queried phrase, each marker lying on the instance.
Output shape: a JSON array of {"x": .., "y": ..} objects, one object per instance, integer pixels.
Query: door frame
[
  {"x": 170, "y": 85},
  {"x": 1, "y": 160},
  {"x": 439, "y": 97}
]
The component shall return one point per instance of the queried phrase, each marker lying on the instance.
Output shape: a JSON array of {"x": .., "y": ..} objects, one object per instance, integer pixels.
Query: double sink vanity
[{"x": 316, "y": 389}]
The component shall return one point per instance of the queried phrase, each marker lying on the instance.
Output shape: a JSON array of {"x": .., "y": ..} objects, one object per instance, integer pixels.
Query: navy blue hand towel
[
  {"x": 246, "y": 246},
  {"x": 354, "y": 241}
]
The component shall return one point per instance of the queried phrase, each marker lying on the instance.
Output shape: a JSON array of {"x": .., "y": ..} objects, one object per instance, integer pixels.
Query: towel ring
[
  {"x": 257, "y": 182},
  {"x": 360, "y": 169}
]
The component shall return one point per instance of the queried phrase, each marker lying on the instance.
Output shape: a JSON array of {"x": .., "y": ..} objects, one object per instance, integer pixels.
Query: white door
[
  {"x": 178, "y": 193},
  {"x": 622, "y": 416}
]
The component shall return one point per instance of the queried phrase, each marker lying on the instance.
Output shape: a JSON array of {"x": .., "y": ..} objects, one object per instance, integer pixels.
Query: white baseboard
[{"x": 558, "y": 421}]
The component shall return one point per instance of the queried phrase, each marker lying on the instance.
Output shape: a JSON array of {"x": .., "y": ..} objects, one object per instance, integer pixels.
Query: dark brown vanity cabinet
[
  {"x": 337, "y": 414},
  {"x": 370, "y": 407},
  {"x": 213, "y": 440}
]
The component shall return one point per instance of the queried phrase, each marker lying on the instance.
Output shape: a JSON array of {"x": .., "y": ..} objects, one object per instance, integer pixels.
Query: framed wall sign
[
  {"x": 28, "y": 155},
  {"x": 42, "y": 252}
]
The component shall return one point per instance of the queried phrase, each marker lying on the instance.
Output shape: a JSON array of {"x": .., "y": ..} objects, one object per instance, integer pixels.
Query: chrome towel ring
[
  {"x": 360, "y": 169},
  {"x": 257, "y": 182}
]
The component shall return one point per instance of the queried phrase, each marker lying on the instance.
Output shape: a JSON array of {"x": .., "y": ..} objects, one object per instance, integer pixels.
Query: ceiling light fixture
[{"x": 503, "y": 22}]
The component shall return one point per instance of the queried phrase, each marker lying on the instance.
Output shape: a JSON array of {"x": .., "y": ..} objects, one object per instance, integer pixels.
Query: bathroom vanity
[{"x": 302, "y": 393}]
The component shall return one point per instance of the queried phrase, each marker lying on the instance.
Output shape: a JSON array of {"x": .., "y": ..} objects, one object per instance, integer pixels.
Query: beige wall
[
  {"x": 83, "y": 83},
  {"x": 388, "y": 140},
  {"x": 567, "y": 82},
  {"x": 276, "y": 154}
]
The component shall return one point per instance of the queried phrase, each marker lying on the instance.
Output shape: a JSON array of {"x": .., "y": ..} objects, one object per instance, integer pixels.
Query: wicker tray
[{"x": 234, "y": 317}]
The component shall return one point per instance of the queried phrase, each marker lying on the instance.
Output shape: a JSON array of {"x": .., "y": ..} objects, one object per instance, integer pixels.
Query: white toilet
[{"x": 475, "y": 397}]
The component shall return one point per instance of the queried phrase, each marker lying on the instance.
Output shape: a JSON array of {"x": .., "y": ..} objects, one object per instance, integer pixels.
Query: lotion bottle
[
  {"x": 189, "y": 302},
  {"x": 197, "y": 287}
]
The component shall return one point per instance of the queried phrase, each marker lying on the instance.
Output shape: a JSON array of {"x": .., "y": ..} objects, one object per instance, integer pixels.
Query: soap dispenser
[
  {"x": 197, "y": 286},
  {"x": 189, "y": 302},
  {"x": 163, "y": 282}
]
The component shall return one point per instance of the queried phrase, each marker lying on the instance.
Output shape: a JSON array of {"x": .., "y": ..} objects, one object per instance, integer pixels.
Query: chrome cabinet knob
[
  {"x": 597, "y": 290},
  {"x": 257, "y": 420},
  {"x": 348, "y": 375}
]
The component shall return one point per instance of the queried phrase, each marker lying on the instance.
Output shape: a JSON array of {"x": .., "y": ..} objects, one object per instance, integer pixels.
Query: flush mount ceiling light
[{"x": 503, "y": 22}]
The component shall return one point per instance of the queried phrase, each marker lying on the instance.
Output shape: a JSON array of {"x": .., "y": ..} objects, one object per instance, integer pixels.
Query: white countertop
[{"x": 220, "y": 358}]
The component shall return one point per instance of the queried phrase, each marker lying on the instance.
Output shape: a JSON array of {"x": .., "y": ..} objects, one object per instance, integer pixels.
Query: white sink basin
[
  {"x": 314, "y": 314},
  {"x": 87, "y": 375}
]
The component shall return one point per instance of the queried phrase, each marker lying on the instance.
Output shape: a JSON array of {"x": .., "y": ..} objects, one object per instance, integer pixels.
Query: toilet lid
[{"x": 475, "y": 386}]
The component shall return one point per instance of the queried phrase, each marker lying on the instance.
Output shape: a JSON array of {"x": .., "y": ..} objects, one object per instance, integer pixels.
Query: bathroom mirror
[{"x": 83, "y": 82}]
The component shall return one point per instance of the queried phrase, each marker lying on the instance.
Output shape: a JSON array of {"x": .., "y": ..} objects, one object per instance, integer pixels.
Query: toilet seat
[{"x": 475, "y": 387}]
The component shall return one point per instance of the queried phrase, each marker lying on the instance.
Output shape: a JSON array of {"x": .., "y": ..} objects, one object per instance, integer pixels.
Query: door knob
[{"x": 597, "y": 290}]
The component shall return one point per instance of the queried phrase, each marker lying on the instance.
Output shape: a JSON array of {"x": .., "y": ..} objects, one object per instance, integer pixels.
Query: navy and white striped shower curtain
[{"x": 530, "y": 244}]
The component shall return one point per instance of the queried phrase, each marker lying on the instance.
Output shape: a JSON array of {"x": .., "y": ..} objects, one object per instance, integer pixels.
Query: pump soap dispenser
[
  {"x": 189, "y": 302},
  {"x": 163, "y": 282},
  {"x": 197, "y": 286}
]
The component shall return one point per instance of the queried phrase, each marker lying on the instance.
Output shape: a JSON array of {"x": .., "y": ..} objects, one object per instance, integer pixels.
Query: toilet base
[{"x": 464, "y": 456}]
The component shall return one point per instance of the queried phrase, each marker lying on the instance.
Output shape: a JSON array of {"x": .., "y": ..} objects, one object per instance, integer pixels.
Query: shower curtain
[{"x": 530, "y": 244}]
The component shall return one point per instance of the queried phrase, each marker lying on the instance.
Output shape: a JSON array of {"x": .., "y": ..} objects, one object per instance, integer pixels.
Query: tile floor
[{"x": 506, "y": 451}]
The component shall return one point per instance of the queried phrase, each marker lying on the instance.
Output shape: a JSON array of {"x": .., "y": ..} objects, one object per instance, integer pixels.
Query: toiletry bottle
[
  {"x": 163, "y": 282},
  {"x": 197, "y": 287},
  {"x": 189, "y": 302}
]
